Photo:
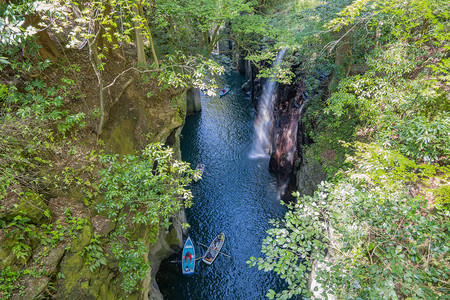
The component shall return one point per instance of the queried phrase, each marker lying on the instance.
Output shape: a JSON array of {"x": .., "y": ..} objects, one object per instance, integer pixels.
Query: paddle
[{"x": 219, "y": 252}]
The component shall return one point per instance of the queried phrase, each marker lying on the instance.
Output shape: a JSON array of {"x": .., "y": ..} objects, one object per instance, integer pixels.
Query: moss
[
  {"x": 106, "y": 292},
  {"x": 33, "y": 206},
  {"x": 74, "y": 271},
  {"x": 169, "y": 121},
  {"x": 80, "y": 283},
  {"x": 83, "y": 239},
  {"x": 7, "y": 258},
  {"x": 181, "y": 105},
  {"x": 29, "y": 205},
  {"x": 442, "y": 194},
  {"x": 172, "y": 237},
  {"x": 121, "y": 139}
]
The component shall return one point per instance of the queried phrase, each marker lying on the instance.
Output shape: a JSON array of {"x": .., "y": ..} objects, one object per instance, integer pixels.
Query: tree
[
  {"x": 378, "y": 227},
  {"x": 106, "y": 28},
  {"x": 199, "y": 19},
  {"x": 142, "y": 190},
  {"x": 375, "y": 239}
]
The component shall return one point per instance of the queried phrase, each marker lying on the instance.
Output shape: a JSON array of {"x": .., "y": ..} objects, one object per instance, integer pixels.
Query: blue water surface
[{"x": 237, "y": 196}]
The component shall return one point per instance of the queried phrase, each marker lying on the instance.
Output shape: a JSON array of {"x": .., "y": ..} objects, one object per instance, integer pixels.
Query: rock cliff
[{"x": 52, "y": 241}]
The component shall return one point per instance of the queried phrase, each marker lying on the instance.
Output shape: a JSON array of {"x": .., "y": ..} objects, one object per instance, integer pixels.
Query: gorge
[{"x": 327, "y": 162}]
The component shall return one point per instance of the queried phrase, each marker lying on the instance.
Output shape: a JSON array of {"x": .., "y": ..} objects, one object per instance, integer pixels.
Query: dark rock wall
[
  {"x": 252, "y": 85},
  {"x": 289, "y": 99},
  {"x": 288, "y": 161},
  {"x": 193, "y": 101}
]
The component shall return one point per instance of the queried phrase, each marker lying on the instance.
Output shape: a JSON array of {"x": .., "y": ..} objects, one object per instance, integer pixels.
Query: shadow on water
[{"x": 237, "y": 196}]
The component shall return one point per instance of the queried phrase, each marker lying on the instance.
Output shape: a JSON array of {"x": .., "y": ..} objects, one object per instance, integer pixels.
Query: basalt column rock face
[
  {"x": 289, "y": 99},
  {"x": 193, "y": 101},
  {"x": 252, "y": 85}
]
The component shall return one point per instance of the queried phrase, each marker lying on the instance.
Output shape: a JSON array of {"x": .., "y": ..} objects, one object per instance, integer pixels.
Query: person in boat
[
  {"x": 216, "y": 245},
  {"x": 188, "y": 256},
  {"x": 208, "y": 257}
]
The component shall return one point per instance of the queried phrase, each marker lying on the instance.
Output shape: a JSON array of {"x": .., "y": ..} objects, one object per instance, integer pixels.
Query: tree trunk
[
  {"x": 47, "y": 48},
  {"x": 139, "y": 37},
  {"x": 102, "y": 42},
  {"x": 95, "y": 62},
  {"x": 342, "y": 51},
  {"x": 213, "y": 42},
  {"x": 150, "y": 37}
]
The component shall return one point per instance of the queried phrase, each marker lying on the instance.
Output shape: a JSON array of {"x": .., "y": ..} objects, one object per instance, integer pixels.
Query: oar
[{"x": 219, "y": 252}]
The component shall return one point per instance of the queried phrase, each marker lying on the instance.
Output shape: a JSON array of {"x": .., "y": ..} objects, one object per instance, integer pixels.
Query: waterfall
[{"x": 264, "y": 120}]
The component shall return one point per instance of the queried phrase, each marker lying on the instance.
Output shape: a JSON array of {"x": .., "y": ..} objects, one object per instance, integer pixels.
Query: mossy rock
[
  {"x": 7, "y": 258},
  {"x": 83, "y": 239},
  {"x": 80, "y": 283},
  {"x": 172, "y": 238},
  {"x": 122, "y": 140},
  {"x": 28, "y": 204},
  {"x": 102, "y": 225},
  {"x": 75, "y": 272}
]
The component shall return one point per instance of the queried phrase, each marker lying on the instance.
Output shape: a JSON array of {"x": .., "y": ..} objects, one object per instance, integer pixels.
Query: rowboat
[
  {"x": 214, "y": 249},
  {"x": 188, "y": 257},
  {"x": 200, "y": 167},
  {"x": 224, "y": 91}
]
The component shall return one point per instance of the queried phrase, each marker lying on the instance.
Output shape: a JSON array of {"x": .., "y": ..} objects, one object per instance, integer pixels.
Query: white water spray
[{"x": 264, "y": 120}]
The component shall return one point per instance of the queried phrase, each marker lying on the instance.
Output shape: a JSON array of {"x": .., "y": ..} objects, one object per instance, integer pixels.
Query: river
[{"x": 237, "y": 196}]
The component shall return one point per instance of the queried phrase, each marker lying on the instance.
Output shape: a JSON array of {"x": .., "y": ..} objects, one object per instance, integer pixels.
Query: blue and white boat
[
  {"x": 224, "y": 91},
  {"x": 188, "y": 257}
]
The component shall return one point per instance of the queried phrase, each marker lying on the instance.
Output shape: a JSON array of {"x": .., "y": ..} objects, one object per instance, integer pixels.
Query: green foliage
[
  {"x": 12, "y": 16},
  {"x": 175, "y": 20},
  {"x": 154, "y": 181},
  {"x": 379, "y": 229},
  {"x": 133, "y": 263},
  {"x": 70, "y": 122},
  {"x": 20, "y": 232},
  {"x": 54, "y": 233},
  {"x": 141, "y": 190},
  {"x": 396, "y": 96},
  {"x": 383, "y": 242},
  {"x": 21, "y": 237},
  {"x": 8, "y": 282},
  {"x": 181, "y": 71},
  {"x": 93, "y": 254},
  {"x": 27, "y": 137}
]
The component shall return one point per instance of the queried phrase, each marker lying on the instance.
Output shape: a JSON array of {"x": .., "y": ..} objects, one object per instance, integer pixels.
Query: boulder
[{"x": 25, "y": 203}]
